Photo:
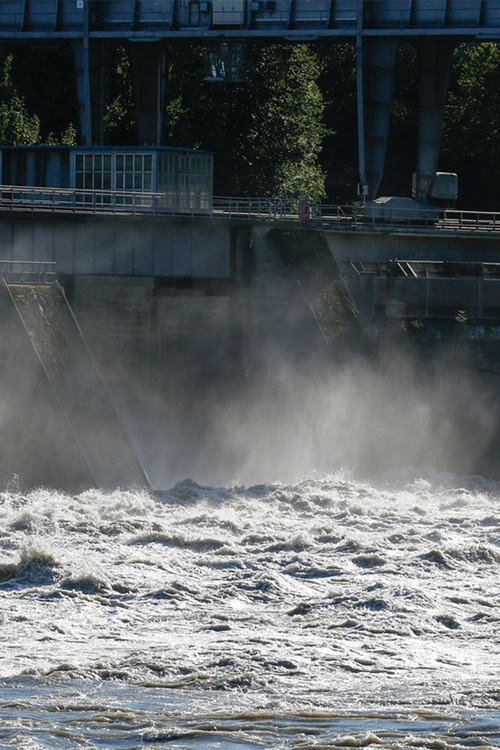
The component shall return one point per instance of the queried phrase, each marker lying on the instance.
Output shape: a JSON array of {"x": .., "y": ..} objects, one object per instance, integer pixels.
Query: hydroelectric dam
[
  {"x": 150, "y": 328},
  {"x": 129, "y": 334}
]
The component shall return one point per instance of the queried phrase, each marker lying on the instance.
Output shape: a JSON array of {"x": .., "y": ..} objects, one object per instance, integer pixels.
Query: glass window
[
  {"x": 184, "y": 179},
  {"x": 93, "y": 172}
]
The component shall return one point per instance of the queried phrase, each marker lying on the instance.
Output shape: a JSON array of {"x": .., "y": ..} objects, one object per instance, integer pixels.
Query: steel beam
[
  {"x": 434, "y": 66},
  {"x": 81, "y": 58},
  {"x": 376, "y": 61},
  {"x": 148, "y": 78}
]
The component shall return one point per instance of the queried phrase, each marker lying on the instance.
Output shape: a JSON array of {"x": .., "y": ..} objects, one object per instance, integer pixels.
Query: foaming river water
[{"x": 336, "y": 612}]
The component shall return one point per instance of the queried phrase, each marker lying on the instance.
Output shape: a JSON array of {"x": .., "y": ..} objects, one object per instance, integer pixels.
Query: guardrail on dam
[
  {"x": 134, "y": 234},
  {"x": 353, "y": 217}
]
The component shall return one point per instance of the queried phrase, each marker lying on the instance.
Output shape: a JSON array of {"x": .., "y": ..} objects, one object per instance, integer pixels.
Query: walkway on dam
[{"x": 273, "y": 211}]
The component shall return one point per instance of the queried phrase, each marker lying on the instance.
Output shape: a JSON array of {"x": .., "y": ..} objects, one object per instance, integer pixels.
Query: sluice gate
[{"x": 79, "y": 396}]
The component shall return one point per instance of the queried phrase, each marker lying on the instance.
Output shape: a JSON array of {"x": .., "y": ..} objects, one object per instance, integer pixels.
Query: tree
[
  {"x": 266, "y": 131},
  {"x": 208, "y": 115},
  {"x": 286, "y": 124},
  {"x": 17, "y": 126},
  {"x": 119, "y": 119},
  {"x": 471, "y": 134},
  {"x": 43, "y": 78}
]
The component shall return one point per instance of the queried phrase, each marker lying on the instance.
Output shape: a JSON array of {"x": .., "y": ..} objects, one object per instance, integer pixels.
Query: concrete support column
[
  {"x": 434, "y": 67},
  {"x": 148, "y": 64},
  {"x": 81, "y": 59},
  {"x": 376, "y": 62},
  {"x": 100, "y": 72},
  {"x": 92, "y": 68}
]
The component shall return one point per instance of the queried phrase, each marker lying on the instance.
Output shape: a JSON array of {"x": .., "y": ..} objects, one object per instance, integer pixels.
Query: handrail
[
  {"x": 196, "y": 205},
  {"x": 28, "y": 271}
]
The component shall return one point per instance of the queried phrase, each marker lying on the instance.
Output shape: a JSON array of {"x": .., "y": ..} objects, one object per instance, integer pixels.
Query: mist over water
[
  {"x": 317, "y": 565},
  {"x": 287, "y": 419}
]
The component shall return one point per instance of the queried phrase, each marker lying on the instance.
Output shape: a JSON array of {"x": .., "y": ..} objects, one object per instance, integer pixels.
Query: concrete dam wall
[
  {"x": 261, "y": 371},
  {"x": 117, "y": 244}
]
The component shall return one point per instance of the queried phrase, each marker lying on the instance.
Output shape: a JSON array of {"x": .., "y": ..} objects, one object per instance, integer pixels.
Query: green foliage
[
  {"x": 43, "y": 79},
  {"x": 287, "y": 129},
  {"x": 190, "y": 107},
  {"x": 461, "y": 320},
  {"x": 471, "y": 136},
  {"x": 266, "y": 134},
  {"x": 17, "y": 126},
  {"x": 337, "y": 82},
  {"x": 67, "y": 138},
  {"x": 208, "y": 115},
  {"x": 119, "y": 120}
]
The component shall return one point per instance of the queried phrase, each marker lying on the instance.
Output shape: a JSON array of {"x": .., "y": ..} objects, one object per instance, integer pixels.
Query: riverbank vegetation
[{"x": 287, "y": 126}]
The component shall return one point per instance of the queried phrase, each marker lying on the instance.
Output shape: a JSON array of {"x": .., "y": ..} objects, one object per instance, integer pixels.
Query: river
[{"x": 333, "y": 611}]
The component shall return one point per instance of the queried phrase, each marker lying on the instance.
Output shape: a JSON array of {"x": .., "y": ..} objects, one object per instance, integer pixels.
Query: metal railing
[
  {"x": 355, "y": 217},
  {"x": 485, "y": 221},
  {"x": 70, "y": 199},
  {"x": 27, "y": 272}
]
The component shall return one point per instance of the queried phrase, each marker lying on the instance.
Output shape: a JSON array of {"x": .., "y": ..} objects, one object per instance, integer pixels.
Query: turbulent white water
[{"x": 334, "y": 612}]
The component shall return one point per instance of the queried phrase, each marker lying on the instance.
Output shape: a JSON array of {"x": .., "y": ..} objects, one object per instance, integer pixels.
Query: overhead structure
[{"x": 377, "y": 27}]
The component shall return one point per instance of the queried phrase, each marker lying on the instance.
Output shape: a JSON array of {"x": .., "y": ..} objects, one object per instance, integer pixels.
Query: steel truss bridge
[{"x": 376, "y": 27}]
